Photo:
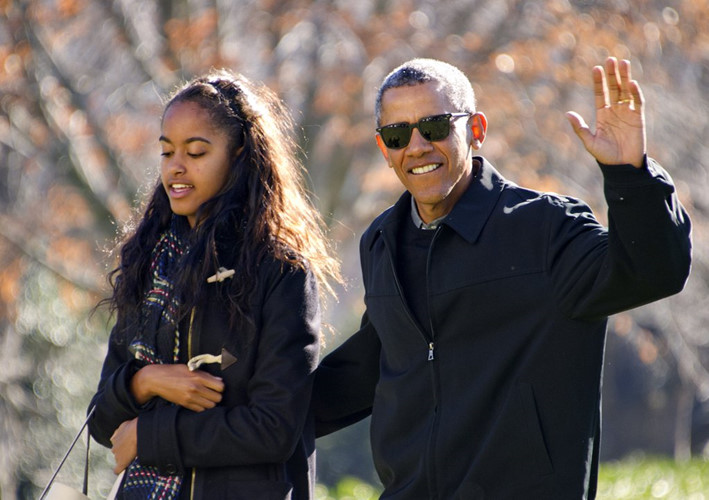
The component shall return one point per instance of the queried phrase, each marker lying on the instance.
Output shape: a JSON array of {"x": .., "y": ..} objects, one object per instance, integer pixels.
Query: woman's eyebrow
[{"x": 188, "y": 141}]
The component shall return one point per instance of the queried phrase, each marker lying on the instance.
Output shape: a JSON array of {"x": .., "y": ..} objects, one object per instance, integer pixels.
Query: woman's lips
[{"x": 178, "y": 190}]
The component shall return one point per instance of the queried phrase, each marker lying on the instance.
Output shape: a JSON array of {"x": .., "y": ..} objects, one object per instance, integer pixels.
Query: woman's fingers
[{"x": 177, "y": 384}]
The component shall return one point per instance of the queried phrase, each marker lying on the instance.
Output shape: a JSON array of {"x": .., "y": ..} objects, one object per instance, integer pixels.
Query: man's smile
[{"x": 424, "y": 169}]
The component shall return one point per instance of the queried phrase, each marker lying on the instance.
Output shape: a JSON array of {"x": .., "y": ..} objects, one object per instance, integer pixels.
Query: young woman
[{"x": 205, "y": 389}]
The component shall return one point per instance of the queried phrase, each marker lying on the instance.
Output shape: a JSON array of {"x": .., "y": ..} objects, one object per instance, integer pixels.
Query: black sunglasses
[{"x": 431, "y": 128}]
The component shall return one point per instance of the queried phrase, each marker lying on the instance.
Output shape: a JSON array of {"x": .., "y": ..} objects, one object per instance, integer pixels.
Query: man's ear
[
  {"x": 478, "y": 125},
  {"x": 382, "y": 147}
]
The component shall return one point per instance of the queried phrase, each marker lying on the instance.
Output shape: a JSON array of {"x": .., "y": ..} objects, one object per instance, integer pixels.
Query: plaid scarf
[{"x": 158, "y": 342}]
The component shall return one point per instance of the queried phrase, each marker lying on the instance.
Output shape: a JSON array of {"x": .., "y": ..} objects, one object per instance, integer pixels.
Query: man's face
[{"x": 435, "y": 173}]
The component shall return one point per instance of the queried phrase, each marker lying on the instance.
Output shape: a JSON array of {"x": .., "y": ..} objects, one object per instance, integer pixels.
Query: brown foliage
[{"x": 80, "y": 97}]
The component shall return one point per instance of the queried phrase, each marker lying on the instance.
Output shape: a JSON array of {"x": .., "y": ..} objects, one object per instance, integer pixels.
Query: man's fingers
[
  {"x": 625, "y": 77},
  {"x": 600, "y": 89},
  {"x": 581, "y": 129},
  {"x": 577, "y": 123},
  {"x": 625, "y": 93},
  {"x": 614, "y": 80},
  {"x": 637, "y": 94}
]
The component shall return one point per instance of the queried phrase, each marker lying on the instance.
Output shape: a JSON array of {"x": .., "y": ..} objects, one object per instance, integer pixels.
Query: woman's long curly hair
[{"x": 263, "y": 204}]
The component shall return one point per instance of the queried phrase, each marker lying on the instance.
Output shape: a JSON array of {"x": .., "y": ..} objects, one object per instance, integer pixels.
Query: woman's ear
[
  {"x": 478, "y": 125},
  {"x": 382, "y": 147}
]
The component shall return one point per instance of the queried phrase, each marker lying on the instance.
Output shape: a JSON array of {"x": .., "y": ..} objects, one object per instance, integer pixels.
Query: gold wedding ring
[{"x": 624, "y": 101}]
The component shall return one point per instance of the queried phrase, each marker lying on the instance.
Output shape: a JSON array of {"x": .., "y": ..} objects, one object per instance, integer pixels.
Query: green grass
[
  {"x": 634, "y": 478},
  {"x": 652, "y": 478},
  {"x": 348, "y": 488}
]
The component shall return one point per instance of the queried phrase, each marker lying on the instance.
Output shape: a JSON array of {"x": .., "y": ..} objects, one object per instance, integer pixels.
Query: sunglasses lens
[
  {"x": 435, "y": 128},
  {"x": 396, "y": 137},
  {"x": 432, "y": 128}
]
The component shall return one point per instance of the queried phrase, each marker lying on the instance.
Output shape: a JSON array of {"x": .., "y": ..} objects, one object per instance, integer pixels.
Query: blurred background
[{"x": 81, "y": 87}]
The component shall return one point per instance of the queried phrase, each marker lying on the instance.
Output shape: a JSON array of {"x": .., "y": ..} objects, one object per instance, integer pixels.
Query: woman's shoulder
[
  {"x": 272, "y": 259},
  {"x": 283, "y": 261}
]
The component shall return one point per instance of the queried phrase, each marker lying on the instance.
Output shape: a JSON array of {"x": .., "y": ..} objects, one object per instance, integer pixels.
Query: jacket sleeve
[
  {"x": 644, "y": 254},
  {"x": 346, "y": 380},
  {"x": 113, "y": 400},
  {"x": 267, "y": 428}
]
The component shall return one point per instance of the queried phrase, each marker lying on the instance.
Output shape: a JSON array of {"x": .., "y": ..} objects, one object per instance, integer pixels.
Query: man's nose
[{"x": 418, "y": 143}]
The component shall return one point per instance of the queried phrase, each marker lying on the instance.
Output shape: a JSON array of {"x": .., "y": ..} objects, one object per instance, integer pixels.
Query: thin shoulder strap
[
  {"x": 85, "y": 491},
  {"x": 66, "y": 455}
]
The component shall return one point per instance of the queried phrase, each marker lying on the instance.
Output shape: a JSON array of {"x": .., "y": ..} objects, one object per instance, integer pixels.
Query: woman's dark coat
[{"x": 258, "y": 443}]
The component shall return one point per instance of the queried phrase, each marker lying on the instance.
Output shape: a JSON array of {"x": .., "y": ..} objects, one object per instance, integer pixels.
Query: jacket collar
[{"x": 468, "y": 216}]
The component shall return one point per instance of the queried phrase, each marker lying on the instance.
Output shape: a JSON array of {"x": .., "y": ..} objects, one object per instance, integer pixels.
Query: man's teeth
[{"x": 425, "y": 169}]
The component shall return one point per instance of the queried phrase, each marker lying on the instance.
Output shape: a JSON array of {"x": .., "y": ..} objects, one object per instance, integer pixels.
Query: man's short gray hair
[{"x": 453, "y": 83}]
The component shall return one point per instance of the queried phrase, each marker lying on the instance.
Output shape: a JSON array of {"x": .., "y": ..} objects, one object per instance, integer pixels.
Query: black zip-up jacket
[
  {"x": 258, "y": 443},
  {"x": 501, "y": 399}
]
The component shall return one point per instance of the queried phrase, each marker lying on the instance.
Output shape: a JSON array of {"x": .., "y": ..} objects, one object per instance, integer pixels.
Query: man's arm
[
  {"x": 647, "y": 252},
  {"x": 644, "y": 255},
  {"x": 345, "y": 382}
]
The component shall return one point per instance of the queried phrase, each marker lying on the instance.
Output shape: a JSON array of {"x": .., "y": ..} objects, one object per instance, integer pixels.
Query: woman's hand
[
  {"x": 125, "y": 444},
  {"x": 195, "y": 390}
]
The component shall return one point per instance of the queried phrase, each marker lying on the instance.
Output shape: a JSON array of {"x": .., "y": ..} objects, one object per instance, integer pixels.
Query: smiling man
[{"x": 481, "y": 349}]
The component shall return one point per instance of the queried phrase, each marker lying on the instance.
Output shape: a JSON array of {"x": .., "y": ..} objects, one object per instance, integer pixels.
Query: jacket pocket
[
  {"x": 524, "y": 417},
  {"x": 516, "y": 449}
]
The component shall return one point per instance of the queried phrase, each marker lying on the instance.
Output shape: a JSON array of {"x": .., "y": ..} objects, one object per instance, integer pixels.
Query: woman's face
[{"x": 195, "y": 158}]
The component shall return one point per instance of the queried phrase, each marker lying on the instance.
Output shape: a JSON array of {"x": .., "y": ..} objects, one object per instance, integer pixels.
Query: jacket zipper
[
  {"x": 433, "y": 484},
  {"x": 428, "y": 293},
  {"x": 190, "y": 354},
  {"x": 429, "y": 342},
  {"x": 431, "y": 349}
]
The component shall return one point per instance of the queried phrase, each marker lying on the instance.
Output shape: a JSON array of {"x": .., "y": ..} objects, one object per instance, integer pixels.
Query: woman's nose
[{"x": 175, "y": 164}]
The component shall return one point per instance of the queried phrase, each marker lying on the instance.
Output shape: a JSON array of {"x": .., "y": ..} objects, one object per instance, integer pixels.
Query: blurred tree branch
[
  {"x": 99, "y": 172},
  {"x": 80, "y": 86}
]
